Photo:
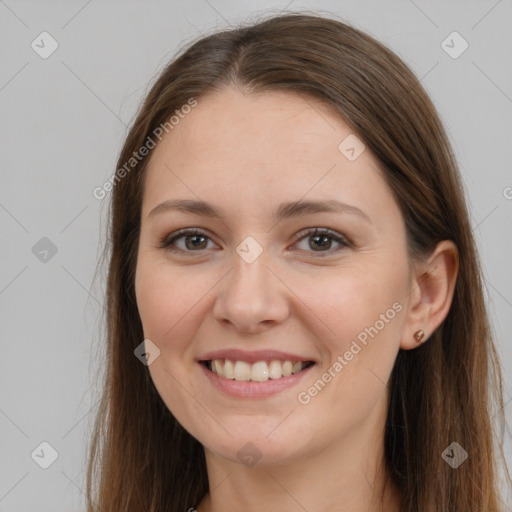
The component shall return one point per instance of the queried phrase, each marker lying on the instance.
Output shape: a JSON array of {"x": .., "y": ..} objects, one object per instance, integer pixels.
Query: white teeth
[
  {"x": 274, "y": 370},
  {"x": 229, "y": 369},
  {"x": 218, "y": 367},
  {"x": 297, "y": 367},
  {"x": 287, "y": 368},
  {"x": 242, "y": 370},
  {"x": 260, "y": 371}
]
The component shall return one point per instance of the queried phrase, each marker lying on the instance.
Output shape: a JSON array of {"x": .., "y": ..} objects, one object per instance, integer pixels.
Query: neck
[{"x": 349, "y": 475}]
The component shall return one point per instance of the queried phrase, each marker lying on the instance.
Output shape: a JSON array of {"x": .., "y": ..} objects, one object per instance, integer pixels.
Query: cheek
[
  {"x": 173, "y": 304},
  {"x": 351, "y": 303},
  {"x": 365, "y": 322},
  {"x": 162, "y": 299},
  {"x": 168, "y": 308}
]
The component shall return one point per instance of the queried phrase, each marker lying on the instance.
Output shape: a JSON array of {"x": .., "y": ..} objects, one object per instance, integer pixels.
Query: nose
[{"x": 252, "y": 298}]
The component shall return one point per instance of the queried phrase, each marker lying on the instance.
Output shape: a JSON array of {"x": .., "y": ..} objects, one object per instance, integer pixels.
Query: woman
[{"x": 295, "y": 309}]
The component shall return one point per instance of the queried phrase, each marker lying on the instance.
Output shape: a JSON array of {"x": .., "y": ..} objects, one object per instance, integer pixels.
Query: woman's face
[{"x": 257, "y": 285}]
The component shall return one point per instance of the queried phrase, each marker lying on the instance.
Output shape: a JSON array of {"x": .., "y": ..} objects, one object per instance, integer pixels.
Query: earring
[{"x": 418, "y": 335}]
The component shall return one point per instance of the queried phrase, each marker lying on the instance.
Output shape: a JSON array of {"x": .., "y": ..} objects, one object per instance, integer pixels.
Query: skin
[{"x": 247, "y": 154}]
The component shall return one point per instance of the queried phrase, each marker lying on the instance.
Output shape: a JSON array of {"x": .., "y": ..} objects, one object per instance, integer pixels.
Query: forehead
[
  {"x": 277, "y": 120},
  {"x": 234, "y": 147}
]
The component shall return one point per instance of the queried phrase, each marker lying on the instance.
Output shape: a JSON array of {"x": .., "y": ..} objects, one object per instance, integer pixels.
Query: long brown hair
[{"x": 445, "y": 391}]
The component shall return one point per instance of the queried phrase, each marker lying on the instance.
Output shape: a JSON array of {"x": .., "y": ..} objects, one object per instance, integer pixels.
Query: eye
[
  {"x": 193, "y": 239},
  {"x": 196, "y": 240},
  {"x": 320, "y": 239}
]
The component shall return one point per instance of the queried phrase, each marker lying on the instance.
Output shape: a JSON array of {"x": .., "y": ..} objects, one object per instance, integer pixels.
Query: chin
[{"x": 256, "y": 449}]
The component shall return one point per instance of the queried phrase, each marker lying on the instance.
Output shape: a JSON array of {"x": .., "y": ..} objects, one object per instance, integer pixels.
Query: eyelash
[{"x": 167, "y": 241}]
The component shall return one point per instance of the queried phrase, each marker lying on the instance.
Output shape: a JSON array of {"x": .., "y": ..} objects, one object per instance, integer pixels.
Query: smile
[{"x": 259, "y": 371}]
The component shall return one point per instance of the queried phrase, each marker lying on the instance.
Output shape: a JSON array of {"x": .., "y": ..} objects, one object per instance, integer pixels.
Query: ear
[{"x": 431, "y": 293}]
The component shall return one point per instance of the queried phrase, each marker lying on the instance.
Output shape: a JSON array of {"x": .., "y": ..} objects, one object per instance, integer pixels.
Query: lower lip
[{"x": 252, "y": 389}]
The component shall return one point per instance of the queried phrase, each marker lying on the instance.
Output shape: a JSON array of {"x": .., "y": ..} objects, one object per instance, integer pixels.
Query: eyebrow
[{"x": 284, "y": 211}]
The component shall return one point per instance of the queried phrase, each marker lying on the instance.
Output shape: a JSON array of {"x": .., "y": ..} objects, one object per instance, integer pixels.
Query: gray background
[{"x": 63, "y": 121}]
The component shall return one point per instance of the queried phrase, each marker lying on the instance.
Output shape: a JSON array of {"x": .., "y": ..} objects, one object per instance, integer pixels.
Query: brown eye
[
  {"x": 194, "y": 240},
  {"x": 320, "y": 240}
]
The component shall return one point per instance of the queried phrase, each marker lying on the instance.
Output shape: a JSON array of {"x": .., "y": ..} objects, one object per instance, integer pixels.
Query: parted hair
[{"x": 447, "y": 390}]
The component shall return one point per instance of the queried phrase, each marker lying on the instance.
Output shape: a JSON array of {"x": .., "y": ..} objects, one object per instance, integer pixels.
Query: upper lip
[{"x": 253, "y": 356}]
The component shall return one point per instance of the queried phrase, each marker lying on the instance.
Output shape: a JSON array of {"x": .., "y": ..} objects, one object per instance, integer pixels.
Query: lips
[
  {"x": 251, "y": 381},
  {"x": 255, "y": 356},
  {"x": 256, "y": 366}
]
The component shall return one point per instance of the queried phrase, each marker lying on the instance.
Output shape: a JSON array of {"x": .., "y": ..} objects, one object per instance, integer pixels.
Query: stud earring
[{"x": 418, "y": 335}]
